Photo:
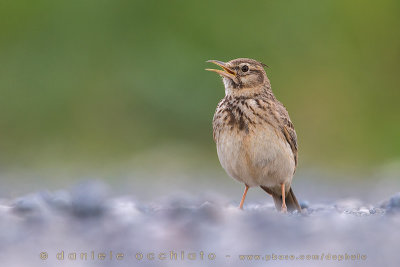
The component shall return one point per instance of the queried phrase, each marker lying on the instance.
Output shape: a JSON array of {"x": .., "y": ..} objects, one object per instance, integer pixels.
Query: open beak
[{"x": 226, "y": 72}]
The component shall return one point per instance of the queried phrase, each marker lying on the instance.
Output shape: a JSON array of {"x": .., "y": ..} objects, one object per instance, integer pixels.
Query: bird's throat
[{"x": 246, "y": 92}]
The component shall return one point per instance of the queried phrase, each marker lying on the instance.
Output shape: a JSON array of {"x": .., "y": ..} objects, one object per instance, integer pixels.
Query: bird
[{"x": 255, "y": 138}]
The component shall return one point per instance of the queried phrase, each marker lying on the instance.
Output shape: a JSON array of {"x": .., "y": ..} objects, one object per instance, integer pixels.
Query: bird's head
[{"x": 242, "y": 74}]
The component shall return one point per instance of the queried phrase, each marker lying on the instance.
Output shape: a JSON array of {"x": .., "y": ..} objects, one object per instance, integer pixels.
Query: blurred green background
[{"x": 98, "y": 82}]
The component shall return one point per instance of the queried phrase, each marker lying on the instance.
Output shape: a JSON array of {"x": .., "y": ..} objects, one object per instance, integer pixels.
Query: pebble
[
  {"x": 28, "y": 204},
  {"x": 88, "y": 199},
  {"x": 304, "y": 204},
  {"x": 394, "y": 203}
]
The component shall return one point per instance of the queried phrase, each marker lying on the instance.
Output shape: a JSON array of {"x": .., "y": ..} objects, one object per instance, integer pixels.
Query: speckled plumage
[{"x": 255, "y": 138}]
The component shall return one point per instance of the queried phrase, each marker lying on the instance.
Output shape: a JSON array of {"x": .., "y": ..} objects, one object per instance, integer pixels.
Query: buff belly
[{"x": 261, "y": 157}]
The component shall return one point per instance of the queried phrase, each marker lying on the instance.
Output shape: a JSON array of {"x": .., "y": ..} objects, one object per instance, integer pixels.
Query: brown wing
[
  {"x": 288, "y": 131},
  {"x": 218, "y": 118}
]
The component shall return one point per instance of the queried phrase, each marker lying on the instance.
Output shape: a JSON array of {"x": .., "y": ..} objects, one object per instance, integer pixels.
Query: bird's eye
[{"x": 245, "y": 68}]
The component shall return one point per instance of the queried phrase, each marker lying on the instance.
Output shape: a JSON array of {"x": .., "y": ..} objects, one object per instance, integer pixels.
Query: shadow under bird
[{"x": 256, "y": 141}]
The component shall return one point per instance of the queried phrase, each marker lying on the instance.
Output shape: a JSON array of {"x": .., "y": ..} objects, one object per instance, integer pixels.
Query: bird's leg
[
  {"x": 284, "y": 208},
  {"x": 244, "y": 196}
]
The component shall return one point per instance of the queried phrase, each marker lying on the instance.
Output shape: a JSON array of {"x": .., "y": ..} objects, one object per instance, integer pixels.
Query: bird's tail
[{"x": 291, "y": 200}]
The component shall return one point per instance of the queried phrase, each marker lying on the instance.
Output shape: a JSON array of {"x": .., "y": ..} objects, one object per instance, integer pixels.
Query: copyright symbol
[{"x": 44, "y": 256}]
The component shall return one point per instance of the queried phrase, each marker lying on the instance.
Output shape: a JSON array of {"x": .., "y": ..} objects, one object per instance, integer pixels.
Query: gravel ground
[{"x": 193, "y": 231}]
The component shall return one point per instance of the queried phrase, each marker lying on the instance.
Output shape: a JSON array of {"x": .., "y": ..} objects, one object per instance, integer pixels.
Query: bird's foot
[{"x": 284, "y": 208}]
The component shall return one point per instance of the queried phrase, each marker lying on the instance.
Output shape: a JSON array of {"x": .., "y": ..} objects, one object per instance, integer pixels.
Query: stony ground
[{"x": 50, "y": 228}]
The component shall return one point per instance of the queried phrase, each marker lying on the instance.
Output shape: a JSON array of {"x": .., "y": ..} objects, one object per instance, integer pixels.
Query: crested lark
[{"x": 256, "y": 141}]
